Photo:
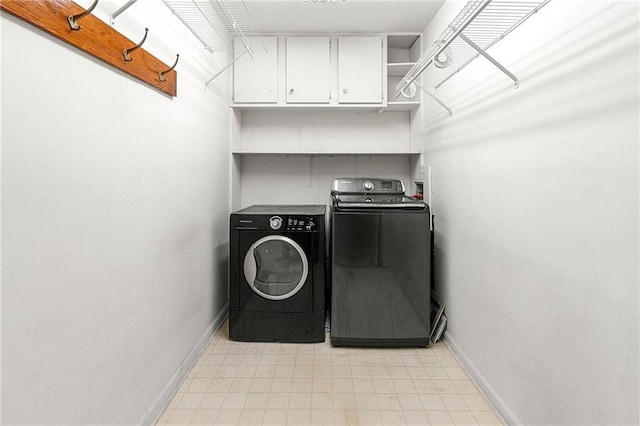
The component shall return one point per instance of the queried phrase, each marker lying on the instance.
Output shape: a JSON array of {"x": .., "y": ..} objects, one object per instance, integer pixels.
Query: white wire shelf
[
  {"x": 215, "y": 21},
  {"x": 212, "y": 21},
  {"x": 479, "y": 25}
]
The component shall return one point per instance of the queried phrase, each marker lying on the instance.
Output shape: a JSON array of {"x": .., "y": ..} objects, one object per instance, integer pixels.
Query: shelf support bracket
[
  {"x": 434, "y": 97},
  {"x": 224, "y": 69},
  {"x": 490, "y": 59}
]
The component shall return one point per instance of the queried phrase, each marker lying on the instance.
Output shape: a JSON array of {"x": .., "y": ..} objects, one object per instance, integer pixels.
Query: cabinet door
[
  {"x": 360, "y": 70},
  {"x": 308, "y": 70},
  {"x": 256, "y": 80}
]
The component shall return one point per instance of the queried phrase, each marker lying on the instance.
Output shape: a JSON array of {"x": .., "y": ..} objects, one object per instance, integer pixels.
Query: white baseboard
[
  {"x": 160, "y": 404},
  {"x": 507, "y": 415}
]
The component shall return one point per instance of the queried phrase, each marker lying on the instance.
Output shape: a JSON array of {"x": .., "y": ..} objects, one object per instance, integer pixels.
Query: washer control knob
[
  {"x": 275, "y": 222},
  {"x": 368, "y": 185}
]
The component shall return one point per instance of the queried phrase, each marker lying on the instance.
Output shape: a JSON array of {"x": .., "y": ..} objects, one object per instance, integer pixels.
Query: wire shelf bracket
[
  {"x": 434, "y": 97},
  {"x": 214, "y": 21},
  {"x": 490, "y": 59},
  {"x": 478, "y": 26}
]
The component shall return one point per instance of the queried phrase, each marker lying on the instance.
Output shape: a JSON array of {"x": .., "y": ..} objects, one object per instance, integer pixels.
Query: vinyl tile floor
[{"x": 238, "y": 383}]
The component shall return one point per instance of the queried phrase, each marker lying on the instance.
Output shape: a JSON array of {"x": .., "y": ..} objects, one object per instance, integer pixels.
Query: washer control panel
[
  {"x": 273, "y": 218},
  {"x": 293, "y": 223},
  {"x": 301, "y": 223}
]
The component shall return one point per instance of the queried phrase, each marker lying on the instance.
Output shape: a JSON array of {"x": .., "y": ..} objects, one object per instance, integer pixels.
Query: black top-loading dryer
[{"x": 381, "y": 264}]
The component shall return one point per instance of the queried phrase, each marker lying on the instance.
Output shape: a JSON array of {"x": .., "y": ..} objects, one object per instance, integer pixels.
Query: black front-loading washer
[{"x": 277, "y": 274}]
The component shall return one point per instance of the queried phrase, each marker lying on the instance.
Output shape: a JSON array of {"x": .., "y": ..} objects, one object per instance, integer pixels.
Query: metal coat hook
[
  {"x": 126, "y": 52},
  {"x": 162, "y": 73},
  {"x": 75, "y": 19}
]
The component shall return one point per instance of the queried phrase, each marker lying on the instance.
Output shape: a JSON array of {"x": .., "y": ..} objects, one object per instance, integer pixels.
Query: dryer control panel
[{"x": 367, "y": 186}]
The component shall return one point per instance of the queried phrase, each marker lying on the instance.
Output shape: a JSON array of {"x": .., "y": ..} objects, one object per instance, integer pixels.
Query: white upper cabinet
[
  {"x": 308, "y": 70},
  {"x": 256, "y": 80},
  {"x": 360, "y": 70},
  {"x": 320, "y": 71}
]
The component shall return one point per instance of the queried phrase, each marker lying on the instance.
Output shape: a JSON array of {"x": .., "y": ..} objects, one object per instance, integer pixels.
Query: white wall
[
  {"x": 307, "y": 179},
  {"x": 536, "y": 204},
  {"x": 114, "y": 223},
  {"x": 325, "y": 131}
]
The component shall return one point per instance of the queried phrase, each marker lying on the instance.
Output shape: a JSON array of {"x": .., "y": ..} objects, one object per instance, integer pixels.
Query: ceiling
[{"x": 332, "y": 16}]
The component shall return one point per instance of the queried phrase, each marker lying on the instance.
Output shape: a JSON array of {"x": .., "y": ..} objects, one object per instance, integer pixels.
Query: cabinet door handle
[
  {"x": 291, "y": 91},
  {"x": 344, "y": 91}
]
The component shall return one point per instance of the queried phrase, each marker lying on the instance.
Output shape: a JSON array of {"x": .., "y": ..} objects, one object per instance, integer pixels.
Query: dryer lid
[{"x": 376, "y": 201}]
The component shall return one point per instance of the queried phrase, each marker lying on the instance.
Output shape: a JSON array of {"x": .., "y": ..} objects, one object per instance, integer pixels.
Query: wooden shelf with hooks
[{"x": 95, "y": 38}]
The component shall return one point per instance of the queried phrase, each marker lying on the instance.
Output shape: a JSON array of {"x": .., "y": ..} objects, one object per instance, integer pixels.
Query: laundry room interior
[{"x": 485, "y": 151}]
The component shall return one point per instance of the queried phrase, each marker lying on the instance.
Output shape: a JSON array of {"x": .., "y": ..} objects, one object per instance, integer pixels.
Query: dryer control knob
[
  {"x": 275, "y": 222},
  {"x": 368, "y": 185}
]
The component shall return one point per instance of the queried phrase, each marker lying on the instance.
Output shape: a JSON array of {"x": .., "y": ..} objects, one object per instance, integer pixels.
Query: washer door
[{"x": 275, "y": 267}]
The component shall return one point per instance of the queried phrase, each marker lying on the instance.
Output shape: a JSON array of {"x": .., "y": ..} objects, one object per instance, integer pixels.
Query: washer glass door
[{"x": 276, "y": 267}]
